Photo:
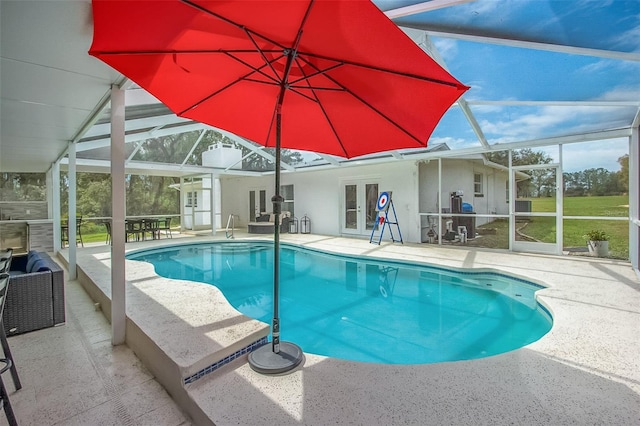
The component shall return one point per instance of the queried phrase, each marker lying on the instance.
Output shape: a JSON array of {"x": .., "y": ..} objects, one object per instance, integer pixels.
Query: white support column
[
  {"x": 512, "y": 202},
  {"x": 218, "y": 192},
  {"x": 194, "y": 203},
  {"x": 118, "y": 210},
  {"x": 49, "y": 193},
  {"x": 414, "y": 210},
  {"x": 634, "y": 196},
  {"x": 441, "y": 226},
  {"x": 182, "y": 228},
  {"x": 212, "y": 204},
  {"x": 55, "y": 205},
  {"x": 71, "y": 229},
  {"x": 560, "y": 203}
]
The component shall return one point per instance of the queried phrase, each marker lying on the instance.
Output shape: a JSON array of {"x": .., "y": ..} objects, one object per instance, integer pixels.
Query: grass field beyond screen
[{"x": 543, "y": 228}]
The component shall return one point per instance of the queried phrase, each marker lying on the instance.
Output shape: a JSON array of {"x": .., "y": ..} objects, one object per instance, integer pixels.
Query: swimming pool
[{"x": 365, "y": 309}]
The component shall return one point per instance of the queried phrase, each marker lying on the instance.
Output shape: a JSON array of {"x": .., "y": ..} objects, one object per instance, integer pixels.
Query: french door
[
  {"x": 257, "y": 203},
  {"x": 359, "y": 198}
]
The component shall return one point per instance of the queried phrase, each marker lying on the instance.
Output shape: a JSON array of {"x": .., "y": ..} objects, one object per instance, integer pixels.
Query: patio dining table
[{"x": 139, "y": 228}]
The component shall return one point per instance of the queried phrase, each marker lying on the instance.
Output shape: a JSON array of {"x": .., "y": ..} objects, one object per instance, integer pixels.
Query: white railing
[{"x": 231, "y": 224}]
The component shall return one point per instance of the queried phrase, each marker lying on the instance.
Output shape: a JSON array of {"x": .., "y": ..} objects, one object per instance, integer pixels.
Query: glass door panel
[
  {"x": 359, "y": 206},
  {"x": 371, "y": 190},
  {"x": 351, "y": 207}
]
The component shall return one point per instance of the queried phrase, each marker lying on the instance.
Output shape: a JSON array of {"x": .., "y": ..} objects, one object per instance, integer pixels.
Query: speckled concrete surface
[
  {"x": 72, "y": 375},
  {"x": 586, "y": 370},
  {"x": 192, "y": 323}
]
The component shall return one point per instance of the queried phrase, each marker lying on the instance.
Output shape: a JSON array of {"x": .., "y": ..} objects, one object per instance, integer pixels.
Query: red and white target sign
[{"x": 383, "y": 201}]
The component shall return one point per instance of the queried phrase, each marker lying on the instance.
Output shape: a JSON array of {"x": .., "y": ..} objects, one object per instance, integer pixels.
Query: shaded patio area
[{"x": 585, "y": 371}]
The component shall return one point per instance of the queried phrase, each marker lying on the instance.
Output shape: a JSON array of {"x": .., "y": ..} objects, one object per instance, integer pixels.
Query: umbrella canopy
[
  {"x": 330, "y": 76},
  {"x": 356, "y": 84}
]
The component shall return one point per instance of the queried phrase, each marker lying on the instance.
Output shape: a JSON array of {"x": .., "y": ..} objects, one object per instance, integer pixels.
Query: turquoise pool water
[{"x": 363, "y": 309}]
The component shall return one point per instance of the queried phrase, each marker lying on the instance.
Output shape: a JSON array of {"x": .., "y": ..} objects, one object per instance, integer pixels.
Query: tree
[
  {"x": 623, "y": 174},
  {"x": 574, "y": 184},
  {"x": 257, "y": 162},
  {"x": 23, "y": 187},
  {"x": 145, "y": 195},
  {"x": 153, "y": 194},
  {"x": 541, "y": 182},
  {"x": 520, "y": 157}
]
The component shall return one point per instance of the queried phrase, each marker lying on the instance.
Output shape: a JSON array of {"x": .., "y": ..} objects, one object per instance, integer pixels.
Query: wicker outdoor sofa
[
  {"x": 264, "y": 223},
  {"x": 35, "y": 298}
]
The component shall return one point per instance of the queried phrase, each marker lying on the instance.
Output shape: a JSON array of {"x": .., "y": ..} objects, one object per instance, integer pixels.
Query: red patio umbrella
[{"x": 335, "y": 77}]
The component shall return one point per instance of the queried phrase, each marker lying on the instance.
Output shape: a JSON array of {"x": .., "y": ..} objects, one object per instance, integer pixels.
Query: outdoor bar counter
[{"x": 26, "y": 234}]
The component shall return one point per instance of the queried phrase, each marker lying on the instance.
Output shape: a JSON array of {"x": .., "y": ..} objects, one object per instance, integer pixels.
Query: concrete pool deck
[{"x": 586, "y": 370}]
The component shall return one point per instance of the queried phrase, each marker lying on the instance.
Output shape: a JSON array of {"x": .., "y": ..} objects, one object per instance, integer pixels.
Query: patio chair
[
  {"x": 5, "y": 260},
  {"x": 134, "y": 230},
  {"x": 4, "y": 395},
  {"x": 107, "y": 225},
  {"x": 6, "y": 254},
  {"x": 150, "y": 226},
  {"x": 164, "y": 225},
  {"x": 64, "y": 234},
  {"x": 8, "y": 358}
]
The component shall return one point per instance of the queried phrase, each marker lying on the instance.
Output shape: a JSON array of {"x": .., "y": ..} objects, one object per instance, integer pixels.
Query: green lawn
[
  {"x": 544, "y": 229},
  {"x": 93, "y": 232},
  {"x": 613, "y": 205}
]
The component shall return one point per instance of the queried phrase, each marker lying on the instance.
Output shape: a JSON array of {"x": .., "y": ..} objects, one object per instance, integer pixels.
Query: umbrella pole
[
  {"x": 280, "y": 357},
  {"x": 277, "y": 210}
]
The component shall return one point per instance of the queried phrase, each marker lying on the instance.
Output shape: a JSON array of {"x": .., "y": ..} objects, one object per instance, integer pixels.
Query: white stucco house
[
  {"x": 200, "y": 201},
  {"x": 342, "y": 200}
]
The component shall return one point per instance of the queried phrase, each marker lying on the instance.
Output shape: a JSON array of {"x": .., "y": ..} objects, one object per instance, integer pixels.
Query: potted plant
[{"x": 597, "y": 243}]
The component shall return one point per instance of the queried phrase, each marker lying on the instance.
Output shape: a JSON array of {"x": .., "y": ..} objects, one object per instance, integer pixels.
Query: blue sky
[{"x": 509, "y": 73}]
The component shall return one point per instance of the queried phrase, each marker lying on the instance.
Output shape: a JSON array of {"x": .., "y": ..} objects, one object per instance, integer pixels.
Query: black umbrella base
[{"x": 265, "y": 361}]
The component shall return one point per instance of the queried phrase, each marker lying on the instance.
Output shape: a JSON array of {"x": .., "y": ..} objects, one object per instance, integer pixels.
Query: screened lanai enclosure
[{"x": 542, "y": 149}]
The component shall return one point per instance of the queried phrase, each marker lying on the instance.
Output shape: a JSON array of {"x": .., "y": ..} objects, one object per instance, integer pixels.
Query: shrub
[{"x": 596, "y": 235}]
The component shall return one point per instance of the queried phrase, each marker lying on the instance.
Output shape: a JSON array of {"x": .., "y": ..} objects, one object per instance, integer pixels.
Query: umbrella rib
[
  {"x": 299, "y": 54},
  {"x": 258, "y": 70},
  {"x": 229, "y": 21},
  {"x": 225, "y": 87},
  {"x": 375, "y": 68},
  {"x": 381, "y": 114},
  {"x": 318, "y": 71},
  {"x": 261, "y": 51},
  {"x": 371, "y": 107},
  {"x": 333, "y": 129},
  {"x": 297, "y": 92},
  {"x": 326, "y": 116},
  {"x": 174, "y": 52}
]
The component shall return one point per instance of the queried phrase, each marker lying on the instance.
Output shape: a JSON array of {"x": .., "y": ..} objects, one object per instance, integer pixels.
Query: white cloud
[
  {"x": 608, "y": 65},
  {"x": 448, "y": 48},
  {"x": 630, "y": 37},
  {"x": 592, "y": 155},
  {"x": 527, "y": 126},
  {"x": 452, "y": 142},
  {"x": 546, "y": 120},
  {"x": 622, "y": 93}
]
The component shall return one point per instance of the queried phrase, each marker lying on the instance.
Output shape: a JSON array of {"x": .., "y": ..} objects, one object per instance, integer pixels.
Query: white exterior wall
[
  {"x": 202, "y": 218},
  {"x": 222, "y": 156},
  {"x": 496, "y": 193},
  {"x": 458, "y": 174},
  {"x": 319, "y": 194}
]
